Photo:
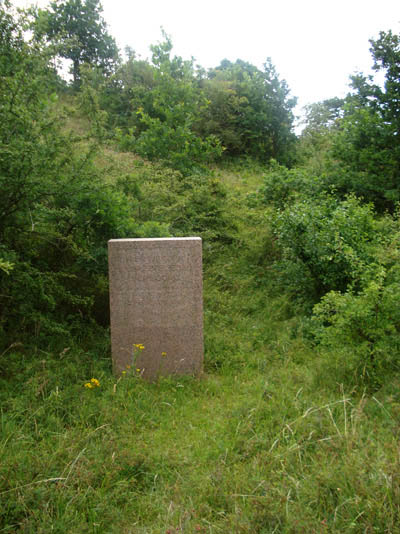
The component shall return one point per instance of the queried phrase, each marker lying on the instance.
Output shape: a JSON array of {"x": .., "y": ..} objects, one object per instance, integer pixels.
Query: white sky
[{"x": 314, "y": 44}]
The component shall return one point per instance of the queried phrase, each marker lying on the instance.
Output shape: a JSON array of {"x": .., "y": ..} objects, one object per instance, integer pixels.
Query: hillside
[
  {"x": 293, "y": 426},
  {"x": 267, "y": 440}
]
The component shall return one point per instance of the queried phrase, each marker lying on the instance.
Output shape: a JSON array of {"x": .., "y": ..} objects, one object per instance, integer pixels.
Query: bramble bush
[
  {"x": 360, "y": 331},
  {"x": 325, "y": 245},
  {"x": 282, "y": 185},
  {"x": 339, "y": 260},
  {"x": 56, "y": 210}
]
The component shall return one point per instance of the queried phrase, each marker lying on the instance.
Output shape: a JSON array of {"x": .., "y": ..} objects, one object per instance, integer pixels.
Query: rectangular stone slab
[{"x": 156, "y": 299}]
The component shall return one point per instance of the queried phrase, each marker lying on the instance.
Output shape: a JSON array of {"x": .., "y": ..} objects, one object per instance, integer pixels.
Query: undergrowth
[{"x": 267, "y": 441}]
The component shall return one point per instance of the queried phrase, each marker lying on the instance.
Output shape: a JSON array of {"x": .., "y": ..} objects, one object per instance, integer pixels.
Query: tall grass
[{"x": 266, "y": 441}]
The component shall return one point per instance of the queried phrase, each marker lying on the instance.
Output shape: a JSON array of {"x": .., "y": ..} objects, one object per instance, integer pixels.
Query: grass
[
  {"x": 254, "y": 447},
  {"x": 266, "y": 441}
]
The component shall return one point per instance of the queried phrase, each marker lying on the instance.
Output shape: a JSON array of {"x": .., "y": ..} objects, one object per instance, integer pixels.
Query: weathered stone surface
[{"x": 156, "y": 299}]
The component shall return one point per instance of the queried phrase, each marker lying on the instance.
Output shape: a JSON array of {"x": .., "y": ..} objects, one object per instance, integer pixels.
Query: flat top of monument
[{"x": 142, "y": 239}]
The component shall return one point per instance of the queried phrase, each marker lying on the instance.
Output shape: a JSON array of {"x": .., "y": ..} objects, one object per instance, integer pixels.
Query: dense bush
[
  {"x": 339, "y": 261},
  {"x": 190, "y": 205},
  {"x": 172, "y": 111},
  {"x": 325, "y": 244},
  {"x": 361, "y": 330},
  {"x": 163, "y": 128},
  {"x": 250, "y": 110},
  {"x": 56, "y": 211},
  {"x": 282, "y": 185}
]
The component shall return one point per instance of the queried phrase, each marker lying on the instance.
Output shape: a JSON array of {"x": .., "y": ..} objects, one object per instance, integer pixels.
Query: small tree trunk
[{"x": 75, "y": 73}]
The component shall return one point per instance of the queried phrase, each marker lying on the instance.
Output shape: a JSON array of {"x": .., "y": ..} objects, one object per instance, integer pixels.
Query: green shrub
[
  {"x": 325, "y": 245},
  {"x": 189, "y": 205},
  {"x": 56, "y": 210},
  {"x": 163, "y": 118},
  {"x": 175, "y": 144},
  {"x": 250, "y": 110},
  {"x": 282, "y": 185},
  {"x": 361, "y": 332}
]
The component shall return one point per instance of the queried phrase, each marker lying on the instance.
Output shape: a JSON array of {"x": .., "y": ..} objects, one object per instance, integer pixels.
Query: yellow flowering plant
[
  {"x": 94, "y": 383},
  {"x": 130, "y": 368}
]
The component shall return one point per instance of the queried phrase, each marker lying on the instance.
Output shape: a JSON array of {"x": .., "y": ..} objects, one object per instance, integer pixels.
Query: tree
[
  {"x": 81, "y": 32},
  {"x": 250, "y": 110},
  {"x": 322, "y": 120},
  {"x": 366, "y": 147},
  {"x": 56, "y": 211},
  {"x": 322, "y": 116},
  {"x": 164, "y": 126}
]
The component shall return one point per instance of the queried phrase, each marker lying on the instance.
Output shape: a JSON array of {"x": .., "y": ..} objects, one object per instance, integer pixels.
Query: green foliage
[
  {"x": 56, "y": 212},
  {"x": 191, "y": 205},
  {"x": 60, "y": 259},
  {"x": 353, "y": 144},
  {"x": 171, "y": 111},
  {"x": 368, "y": 158},
  {"x": 325, "y": 243},
  {"x": 6, "y": 266},
  {"x": 250, "y": 110},
  {"x": 89, "y": 104},
  {"x": 27, "y": 122},
  {"x": 323, "y": 116},
  {"x": 282, "y": 185},
  {"x": 80, "y": 32},
  {"x": 361, "y": 331},
  {"x": 365, "y": 151},
  {"x": 222, "y": 115},
  {"x": 340, "y": 257},
  {"x": 175, "y": 143},
  {"x": 166, "y": 116},
  {"x": 129, "y": 88},
  {"x": 322, "y": 120}
]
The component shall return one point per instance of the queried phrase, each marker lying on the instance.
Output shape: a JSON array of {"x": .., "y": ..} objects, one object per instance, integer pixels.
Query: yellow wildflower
[
  {"x": 163, "y": 354},
  {"x": 89, "y": 385},
  {"x": 95, "y": 382}
]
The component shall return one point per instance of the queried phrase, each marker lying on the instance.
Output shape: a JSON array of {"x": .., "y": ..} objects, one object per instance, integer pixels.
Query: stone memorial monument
[{"x": 156, "y": 304}]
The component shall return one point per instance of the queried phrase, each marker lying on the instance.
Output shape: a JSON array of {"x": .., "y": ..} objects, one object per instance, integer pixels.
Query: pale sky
[{"x": 314, "y": 44}]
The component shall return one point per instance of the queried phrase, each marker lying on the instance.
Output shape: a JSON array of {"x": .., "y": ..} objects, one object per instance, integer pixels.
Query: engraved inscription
[{"x": 156, "y": 299}]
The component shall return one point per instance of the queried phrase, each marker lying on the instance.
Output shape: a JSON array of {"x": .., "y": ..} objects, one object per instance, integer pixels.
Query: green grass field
[{"x": 269, "y": 440}]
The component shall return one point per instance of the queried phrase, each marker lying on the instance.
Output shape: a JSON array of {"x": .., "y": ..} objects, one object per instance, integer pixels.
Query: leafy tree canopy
[
  {"x": 250, "y": 110},
  {"x": 56, "y": 212},
  {"x": 163, "y": 119},
  {"x": 365, "y": 155},
  {"x": 81, "y": 32}
]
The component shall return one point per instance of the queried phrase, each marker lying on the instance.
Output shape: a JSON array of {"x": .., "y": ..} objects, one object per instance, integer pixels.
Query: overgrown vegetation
[{"x": 294, "y": 425}]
